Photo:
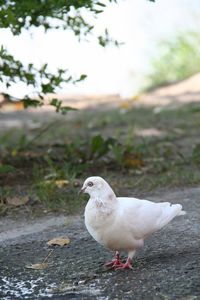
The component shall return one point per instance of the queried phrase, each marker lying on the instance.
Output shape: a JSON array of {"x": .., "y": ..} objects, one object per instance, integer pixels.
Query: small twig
[{"x": 48, "y": 255}]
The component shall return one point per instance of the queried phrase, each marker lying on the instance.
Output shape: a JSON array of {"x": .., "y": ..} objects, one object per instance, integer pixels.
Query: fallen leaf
[
  {"x": 58, "y": 183},
  {"x": 125, "y": 104},
  {"x": 12, "y": 106},
  {"x": 136, "y": 97},
  {"x": 133, "y": 160},
  {"x": 61, "y": 241},
  {"x": 39, "y": 266},
  {"x": 61, "y": 183},
  {"x": 17, "y": 201}
]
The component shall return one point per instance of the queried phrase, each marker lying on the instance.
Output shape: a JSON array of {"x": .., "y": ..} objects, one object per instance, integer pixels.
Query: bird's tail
[
  {"x": 170, "y": 212},
  {"x": 182, "y": 213}
]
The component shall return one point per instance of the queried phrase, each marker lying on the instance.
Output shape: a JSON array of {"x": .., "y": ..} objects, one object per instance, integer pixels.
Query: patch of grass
[
  {"x": 110, "y": 144},
  {"x": 4, "y": 193},
  {"x": 178, "y": 176},
  {"x": 6, "y": 169},
  {"x": 177, "y": 59},
  {"x": 55, "y": 188},
  {"x": 56, "y": 198}
]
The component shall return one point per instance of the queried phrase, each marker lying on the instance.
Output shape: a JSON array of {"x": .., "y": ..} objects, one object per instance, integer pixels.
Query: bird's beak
[{"x": 82, "y": 190}]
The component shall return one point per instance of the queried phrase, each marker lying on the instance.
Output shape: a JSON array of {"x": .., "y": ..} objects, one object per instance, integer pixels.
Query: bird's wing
[{"x": 144, "y": 217}]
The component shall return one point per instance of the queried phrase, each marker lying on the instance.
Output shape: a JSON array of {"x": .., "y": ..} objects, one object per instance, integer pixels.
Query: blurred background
[{"x": 149, "y": 32}]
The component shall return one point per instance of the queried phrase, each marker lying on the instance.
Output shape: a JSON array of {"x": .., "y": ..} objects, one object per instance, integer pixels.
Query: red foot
[
  {"x": 115, "y": 262},
  {"x": 127, "y": 265}
]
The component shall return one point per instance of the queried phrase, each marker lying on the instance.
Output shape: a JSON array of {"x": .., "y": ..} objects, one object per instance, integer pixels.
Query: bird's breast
[
  {"x": 98, "y": 220},
  {"x": 97, "y": 214}
]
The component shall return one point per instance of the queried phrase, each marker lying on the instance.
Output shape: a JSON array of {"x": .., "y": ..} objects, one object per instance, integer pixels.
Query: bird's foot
[
  {"x": 127, "y": 265},
  {"x": 114, "y": 263}
]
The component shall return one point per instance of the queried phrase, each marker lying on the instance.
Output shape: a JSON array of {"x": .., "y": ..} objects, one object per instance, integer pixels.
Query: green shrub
[{"x": 177, "y": 59}]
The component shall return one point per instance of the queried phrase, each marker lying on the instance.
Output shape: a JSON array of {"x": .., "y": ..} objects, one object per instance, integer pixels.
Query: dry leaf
[
  {"x": 136, "y": 97},
  {"x": 39, "y": 266},
  {"x": 12, "y": 106},
  {"x": 61, "y": 183},
  {"x": 17, "y": 201},
  {"x": 133, "y": 160},
  {"x": 129, "y": 103},
  {"x": 61, "y": 241},
  {"x": 125, "y": 104},
  {"x": 58, "y": 183}
]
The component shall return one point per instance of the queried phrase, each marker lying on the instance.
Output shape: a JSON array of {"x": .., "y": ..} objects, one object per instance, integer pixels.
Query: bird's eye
[{"x": 90, "y": 183}]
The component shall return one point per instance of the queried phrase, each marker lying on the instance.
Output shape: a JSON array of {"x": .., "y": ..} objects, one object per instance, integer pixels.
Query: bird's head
[{"x": 96, "y": 185}]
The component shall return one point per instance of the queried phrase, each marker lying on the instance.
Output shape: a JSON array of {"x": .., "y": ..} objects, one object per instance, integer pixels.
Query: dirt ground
[{"x": 166, "y": 268}]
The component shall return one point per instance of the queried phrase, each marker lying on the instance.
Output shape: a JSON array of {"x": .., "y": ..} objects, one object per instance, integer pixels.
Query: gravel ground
[{"x": 168, "y": 267}]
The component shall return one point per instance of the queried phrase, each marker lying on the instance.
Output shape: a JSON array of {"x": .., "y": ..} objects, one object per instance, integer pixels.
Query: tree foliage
[
  {"x": 23, "y": 14},
  {"x": 19, "y": 15}
]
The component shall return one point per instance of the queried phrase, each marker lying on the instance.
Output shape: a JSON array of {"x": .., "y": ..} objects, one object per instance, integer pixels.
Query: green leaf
[
  {"x": 65, "y": 109},
  {"x": 101, "y": 4},
  {"x": 97, "y": 143},
  {"x": 55, "y": 102},
  {"x": 31, "y": 102},
  {"x": 6, "y": 169},
  {"x": 47, "y": 88},
  {"x": 82, "y": 77},
  {"x": 99, "y": 146},
  {"x": 59, "y": 108}
]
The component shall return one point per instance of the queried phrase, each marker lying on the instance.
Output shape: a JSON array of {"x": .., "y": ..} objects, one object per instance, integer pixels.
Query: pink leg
[
  {"x": 127, "y": 265},
  {"x": 116, "y": 262}
]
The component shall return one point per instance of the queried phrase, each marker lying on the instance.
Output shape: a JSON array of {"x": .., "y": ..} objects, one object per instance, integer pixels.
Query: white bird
[{"x": 121, "y": 223}]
